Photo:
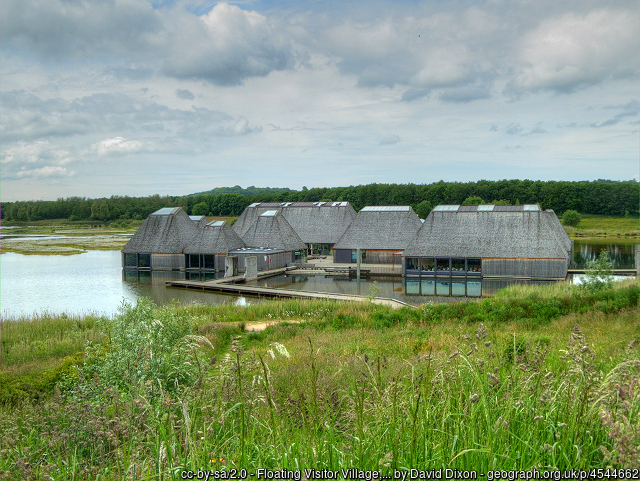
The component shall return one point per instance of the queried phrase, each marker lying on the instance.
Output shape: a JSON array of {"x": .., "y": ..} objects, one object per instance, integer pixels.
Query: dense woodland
[{"x": 614, "y": 198}]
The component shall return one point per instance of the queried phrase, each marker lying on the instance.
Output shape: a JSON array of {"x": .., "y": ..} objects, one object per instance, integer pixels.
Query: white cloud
[
  {"x": 118, "y": 145},
  {"x": 574, "y": 50},
  {"x": 227, "y": 45}
]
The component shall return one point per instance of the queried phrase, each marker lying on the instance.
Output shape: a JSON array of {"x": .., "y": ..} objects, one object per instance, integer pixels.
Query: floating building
[
  {"x": 208, "y": 250},
  {"x": 319, "y": 224},
  {"x": 273, "y": 241},
  {"x": 380, "y": 232},
  {"x": 160, "y": 241},
  {"x": 489, "y": 241}
]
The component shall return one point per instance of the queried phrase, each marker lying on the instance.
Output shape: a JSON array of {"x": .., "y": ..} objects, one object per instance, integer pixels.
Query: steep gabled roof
[
  {"x": 165, "y": 231},
  {"x": 314, "y": 222},
  {"x": 271, "y": 229},
  {"x": 512, "y": 233},
  {"x": 381, "y": 227},
  {"x": 200, "y": 220},
  {"x": 216, "y": 237}
]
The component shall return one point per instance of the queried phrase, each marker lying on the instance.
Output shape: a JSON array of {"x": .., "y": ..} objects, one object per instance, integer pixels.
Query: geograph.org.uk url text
[{"x": 409, "y": 474}]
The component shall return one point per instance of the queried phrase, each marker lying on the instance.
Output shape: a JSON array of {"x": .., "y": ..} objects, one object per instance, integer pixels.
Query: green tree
[
  {"x": 599, "y": 273},
  {"x": 473, "y": 200},
  {"x": 423, "y": 209},
  {"x": 571, "y": 218},
  {"x": 200, "y": 209}
]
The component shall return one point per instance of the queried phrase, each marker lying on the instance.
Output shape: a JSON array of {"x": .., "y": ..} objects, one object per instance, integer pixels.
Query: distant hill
[{"x": 251, "y": 190}]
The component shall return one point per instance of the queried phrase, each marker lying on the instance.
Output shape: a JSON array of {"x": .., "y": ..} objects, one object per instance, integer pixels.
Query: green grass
[
  {"x": 348, "y": 385},
  {"x": 600, "y": 226}
]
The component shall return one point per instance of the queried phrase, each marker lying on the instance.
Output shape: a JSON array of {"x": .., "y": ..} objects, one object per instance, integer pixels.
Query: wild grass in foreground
[{"x": 352, "y": 385}]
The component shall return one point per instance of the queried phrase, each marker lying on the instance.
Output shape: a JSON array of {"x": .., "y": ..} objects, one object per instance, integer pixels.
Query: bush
[
  {"x": 147, "y": 345},
  {"x": 599, "y": 274},
  {"x": 571, "y": 218}
]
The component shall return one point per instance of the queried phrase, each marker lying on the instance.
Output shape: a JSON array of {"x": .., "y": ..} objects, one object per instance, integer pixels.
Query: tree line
[{"x": 615, "y": 198}]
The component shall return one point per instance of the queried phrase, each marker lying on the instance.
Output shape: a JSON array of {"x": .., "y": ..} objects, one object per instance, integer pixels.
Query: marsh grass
[
  {"x": 603, "y": 226},
  {"x": 356, "y": 386}
]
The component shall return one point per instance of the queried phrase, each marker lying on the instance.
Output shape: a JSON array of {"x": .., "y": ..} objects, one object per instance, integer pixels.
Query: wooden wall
[
  {"x": 167, "y": 261},
  {"x": 533, "y": 268}
]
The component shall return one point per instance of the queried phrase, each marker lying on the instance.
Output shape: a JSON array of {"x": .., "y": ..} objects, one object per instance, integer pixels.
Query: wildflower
[
  {"x": 386, "y": 460},
  {"x": 474, "y": 398}
]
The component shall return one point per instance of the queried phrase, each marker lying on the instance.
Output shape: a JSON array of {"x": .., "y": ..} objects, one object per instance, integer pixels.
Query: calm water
[
  {"x": 94, "y": 282},
  {"x": 620, "y": 252},
  {"x": 83, "y": 283}
]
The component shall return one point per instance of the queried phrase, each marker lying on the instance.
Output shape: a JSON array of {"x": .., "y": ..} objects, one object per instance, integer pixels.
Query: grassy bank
[
  {"x": 592, "y": 226},
  {"x": 536, "y": 377}
]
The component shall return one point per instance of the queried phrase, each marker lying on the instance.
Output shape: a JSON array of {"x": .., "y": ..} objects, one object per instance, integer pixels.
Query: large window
[
  {"x": 474, "y": 266},
  {"x": 144, "y": 260},
  {"x": 427, "y": 264},
  {"x": 413, "y": 265},
  {"x": 131, "y": 260},
  {"x": 209, "y": 261},
  {"x": 457, "y": 266},
  {"x": 442, "y": 264}
]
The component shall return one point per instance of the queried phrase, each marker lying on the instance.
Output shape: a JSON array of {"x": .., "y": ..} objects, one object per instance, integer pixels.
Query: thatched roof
[
  {"x": 216, "y": 237},
  {"x": 523, "y": 232},
  {"x": 381, "y": 227},
  {"x": 166, "y": 231},
  {"x": 200, "y": 220},
  {"x": 314, "y": 222},
  {"x": 271, "y": 229}
]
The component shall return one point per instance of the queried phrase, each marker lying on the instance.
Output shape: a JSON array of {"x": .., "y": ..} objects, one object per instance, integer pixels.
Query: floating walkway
[
  {"x": 234, "y": 285},
  {"x": 616, "y": 272}
]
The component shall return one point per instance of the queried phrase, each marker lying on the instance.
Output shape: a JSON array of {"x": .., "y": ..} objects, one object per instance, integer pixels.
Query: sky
[{"x": 137, "y": 97}]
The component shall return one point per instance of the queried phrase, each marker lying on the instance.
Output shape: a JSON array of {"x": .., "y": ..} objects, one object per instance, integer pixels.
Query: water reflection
[
  {"x": 621, "y": 253},
  {"x": 456, "y": 287}
]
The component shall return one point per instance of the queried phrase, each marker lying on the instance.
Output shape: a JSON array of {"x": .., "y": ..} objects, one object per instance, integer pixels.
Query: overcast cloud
[{"x": 132, "y": 97}]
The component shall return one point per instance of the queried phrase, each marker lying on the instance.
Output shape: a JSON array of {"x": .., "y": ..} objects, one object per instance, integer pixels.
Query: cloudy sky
[{"x": 136, "y": 97}]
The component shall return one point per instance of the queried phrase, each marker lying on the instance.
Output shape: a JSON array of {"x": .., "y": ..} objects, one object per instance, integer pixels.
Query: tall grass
[{"x": 352, "y": 385}]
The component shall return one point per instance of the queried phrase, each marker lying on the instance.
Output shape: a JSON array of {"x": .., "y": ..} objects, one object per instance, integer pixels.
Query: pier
[{"x": 235, "y": 285}]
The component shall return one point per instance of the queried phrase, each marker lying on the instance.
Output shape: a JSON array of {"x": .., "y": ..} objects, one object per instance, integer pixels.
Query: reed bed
[{"x": 345, "y": 386}]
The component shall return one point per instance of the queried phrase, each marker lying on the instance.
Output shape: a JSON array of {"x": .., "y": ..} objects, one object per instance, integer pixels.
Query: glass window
[
  {"x": 442, "y": 264},
  {"x": 474, "y": 265},
  {"x": 427, "y": 264},
  {"x": 209, "y": 261},
  {"x": 442, "y": 288},
  {"x": 457, "y": 265},
  {"x": 413, "y": 287},
  {"x": 413, "y": 264},
  {"x": 130, "y": 260},
  {"x": 428, "y": 287},
  {"x": 144, "y": 260}
]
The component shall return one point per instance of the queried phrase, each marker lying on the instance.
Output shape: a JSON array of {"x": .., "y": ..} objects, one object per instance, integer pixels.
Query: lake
[{"x": 94, "y": 282}]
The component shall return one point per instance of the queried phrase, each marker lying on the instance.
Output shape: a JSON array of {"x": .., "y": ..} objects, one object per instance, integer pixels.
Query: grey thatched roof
[
  {"x": 200, "y": 220},
  {"x": 216, "y": 237},
  {"x": 314, "y": 222},
  {"x": 166, "y": 231},
  {"x": 513, "y": 233},
  {"x": 381, "y": 227},
  {"x": 272, "y": 230}
]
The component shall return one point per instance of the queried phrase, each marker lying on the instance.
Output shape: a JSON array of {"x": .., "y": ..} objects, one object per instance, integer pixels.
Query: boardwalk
[{"x": 231, "y": 286}]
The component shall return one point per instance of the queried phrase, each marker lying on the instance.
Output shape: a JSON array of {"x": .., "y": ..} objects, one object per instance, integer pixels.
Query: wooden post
[{"x": 358, "y": 261}]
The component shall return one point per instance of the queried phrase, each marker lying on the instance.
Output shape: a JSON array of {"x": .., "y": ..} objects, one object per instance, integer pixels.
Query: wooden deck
[
  {"x": 235, "y": 285},
  {"x": 616, "y": 272}
]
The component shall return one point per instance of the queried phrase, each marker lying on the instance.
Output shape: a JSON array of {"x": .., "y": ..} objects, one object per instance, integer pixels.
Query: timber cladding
[
  {"x": 167, "y": 261},
  {"x": 530, "y": 268}
]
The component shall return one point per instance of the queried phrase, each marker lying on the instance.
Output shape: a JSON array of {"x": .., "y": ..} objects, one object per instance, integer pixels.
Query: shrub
[
  {"x": 571, "y": 218},
  {"x": 147, "y": 345}
]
